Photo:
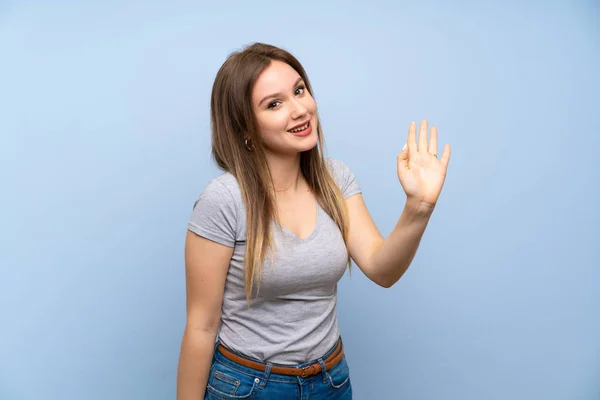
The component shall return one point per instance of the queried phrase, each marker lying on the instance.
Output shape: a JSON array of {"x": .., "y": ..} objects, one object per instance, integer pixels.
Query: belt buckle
[{"x": 305, "y": 371}]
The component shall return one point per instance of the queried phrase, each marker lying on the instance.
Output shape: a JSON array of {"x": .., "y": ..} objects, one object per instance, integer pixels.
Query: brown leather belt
[{"x": 305, "y": 372}]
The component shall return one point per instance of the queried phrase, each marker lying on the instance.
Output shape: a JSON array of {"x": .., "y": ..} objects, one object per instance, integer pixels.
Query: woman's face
[{"x": 286, "y": 113}]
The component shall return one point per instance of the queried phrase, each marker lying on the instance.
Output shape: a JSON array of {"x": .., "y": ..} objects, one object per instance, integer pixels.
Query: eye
[
  {"x": 273, "y": 104},
  {"x": 300, "y": 89}
]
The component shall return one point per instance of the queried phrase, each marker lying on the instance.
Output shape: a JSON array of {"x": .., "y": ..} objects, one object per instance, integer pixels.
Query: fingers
[
  {"x": 412, "y": 138},
  {"x": 433, "y": 142},
  {"x": 404, "y": 153},
  {"x": 402, "y": 160},
  {"x": 446, "y": 156},
  {"x": 422, "y": 145},
  {"x": 423, "y": 137}
]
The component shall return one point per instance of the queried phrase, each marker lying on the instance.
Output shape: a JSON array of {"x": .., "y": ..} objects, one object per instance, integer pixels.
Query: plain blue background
[{"x": 105, "y": 146}]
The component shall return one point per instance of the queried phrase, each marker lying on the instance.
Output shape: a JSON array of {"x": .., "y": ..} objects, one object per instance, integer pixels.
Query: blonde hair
[{"x": 232, "y": 122}]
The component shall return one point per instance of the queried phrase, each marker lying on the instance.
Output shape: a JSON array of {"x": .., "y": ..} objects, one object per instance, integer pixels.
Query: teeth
[{"x": 303, "y": 127}]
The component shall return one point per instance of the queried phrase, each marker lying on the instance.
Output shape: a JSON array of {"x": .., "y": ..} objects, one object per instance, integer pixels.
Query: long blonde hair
[{"x": 232, "y": 123}]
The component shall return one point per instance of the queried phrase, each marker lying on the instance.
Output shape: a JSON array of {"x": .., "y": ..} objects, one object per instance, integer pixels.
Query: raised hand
[{"x": 420, "y": 172}]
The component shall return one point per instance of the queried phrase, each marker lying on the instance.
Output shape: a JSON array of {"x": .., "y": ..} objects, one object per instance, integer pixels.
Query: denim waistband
[{"x": 267, "y": 374}]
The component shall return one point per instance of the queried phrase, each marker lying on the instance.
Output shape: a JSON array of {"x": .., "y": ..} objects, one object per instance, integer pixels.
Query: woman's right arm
[{"x": 206, "y": 265}]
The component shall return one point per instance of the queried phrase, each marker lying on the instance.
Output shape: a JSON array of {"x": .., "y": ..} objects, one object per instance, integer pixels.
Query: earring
[{"x": 249, "y": 144}]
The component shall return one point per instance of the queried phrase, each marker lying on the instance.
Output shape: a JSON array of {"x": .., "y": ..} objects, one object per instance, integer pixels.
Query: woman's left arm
[{"x": 422, "y": 177}]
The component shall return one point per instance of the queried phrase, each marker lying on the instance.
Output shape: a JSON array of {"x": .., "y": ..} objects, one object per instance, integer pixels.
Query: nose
[{"x": 299, "y": 110}]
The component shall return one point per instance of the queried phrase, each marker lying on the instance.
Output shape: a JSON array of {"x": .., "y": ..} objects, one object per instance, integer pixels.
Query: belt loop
[
  {"x": 323, "y": 369},
  {"x": 266, "y": 376}
]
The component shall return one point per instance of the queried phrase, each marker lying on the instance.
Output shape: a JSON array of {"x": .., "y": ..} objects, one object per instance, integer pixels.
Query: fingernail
[{"x": 404, "y": 147}]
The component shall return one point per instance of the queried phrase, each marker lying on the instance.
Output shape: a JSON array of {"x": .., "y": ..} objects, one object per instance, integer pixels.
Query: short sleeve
[
  {"x": 214, "y": 215},
  {"x": 345, "y": 178}
]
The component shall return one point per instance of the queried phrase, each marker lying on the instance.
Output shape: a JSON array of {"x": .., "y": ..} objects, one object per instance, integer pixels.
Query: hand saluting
[{"x": 420, "y": 172}]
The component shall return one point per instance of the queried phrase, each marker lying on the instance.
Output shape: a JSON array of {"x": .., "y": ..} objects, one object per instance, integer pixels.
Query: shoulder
[
  {"x": 222, "y": 189},
  {"x": 336, "y": 167},
  {"x": 216, "y": 211},
  {"x": 343, "y": 176}
]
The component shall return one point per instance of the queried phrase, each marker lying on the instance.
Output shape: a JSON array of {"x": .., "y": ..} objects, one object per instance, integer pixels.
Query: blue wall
[{"x": 105, "y": 146}]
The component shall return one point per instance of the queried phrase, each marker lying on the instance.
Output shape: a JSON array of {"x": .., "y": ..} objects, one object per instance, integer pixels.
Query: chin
[{"x": 308, "y": 143}]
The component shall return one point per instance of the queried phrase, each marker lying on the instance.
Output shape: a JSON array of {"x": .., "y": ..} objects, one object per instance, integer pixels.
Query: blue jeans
[{"x": 228, "y": 381}]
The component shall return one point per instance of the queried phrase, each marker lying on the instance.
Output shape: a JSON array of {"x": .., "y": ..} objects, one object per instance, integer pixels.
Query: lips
[
  {"x": 303, "y": 133},
  {"x": 299, "y": 125}
]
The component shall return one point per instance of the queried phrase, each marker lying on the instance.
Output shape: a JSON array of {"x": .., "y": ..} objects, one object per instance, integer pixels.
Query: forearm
[
  {"x": 197, "y": 347},
  {"x": 393, "y": 256}
]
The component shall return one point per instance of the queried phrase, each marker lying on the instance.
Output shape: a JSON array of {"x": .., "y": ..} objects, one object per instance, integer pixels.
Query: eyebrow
[{"x": 278, "y": 93}]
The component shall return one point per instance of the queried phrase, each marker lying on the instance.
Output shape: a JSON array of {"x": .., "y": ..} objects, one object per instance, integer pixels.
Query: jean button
[{"x": 256, "y": 380}]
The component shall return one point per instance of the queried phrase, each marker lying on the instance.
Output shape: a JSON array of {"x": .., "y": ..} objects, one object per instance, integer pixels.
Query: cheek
[
  {"x": 272, "y": 125},
  {"x": 310, "y": 103}
]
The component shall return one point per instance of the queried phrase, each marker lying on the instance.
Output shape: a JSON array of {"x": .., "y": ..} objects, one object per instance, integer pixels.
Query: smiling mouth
[{"x": 300, "y": 128}]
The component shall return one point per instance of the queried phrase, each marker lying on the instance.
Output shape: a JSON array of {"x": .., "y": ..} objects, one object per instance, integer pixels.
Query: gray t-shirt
[{"x": 294, "y": 318}]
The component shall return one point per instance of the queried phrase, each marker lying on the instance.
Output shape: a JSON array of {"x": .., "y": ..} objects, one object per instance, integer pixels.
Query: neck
[{"x": 285, "y": 172}]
